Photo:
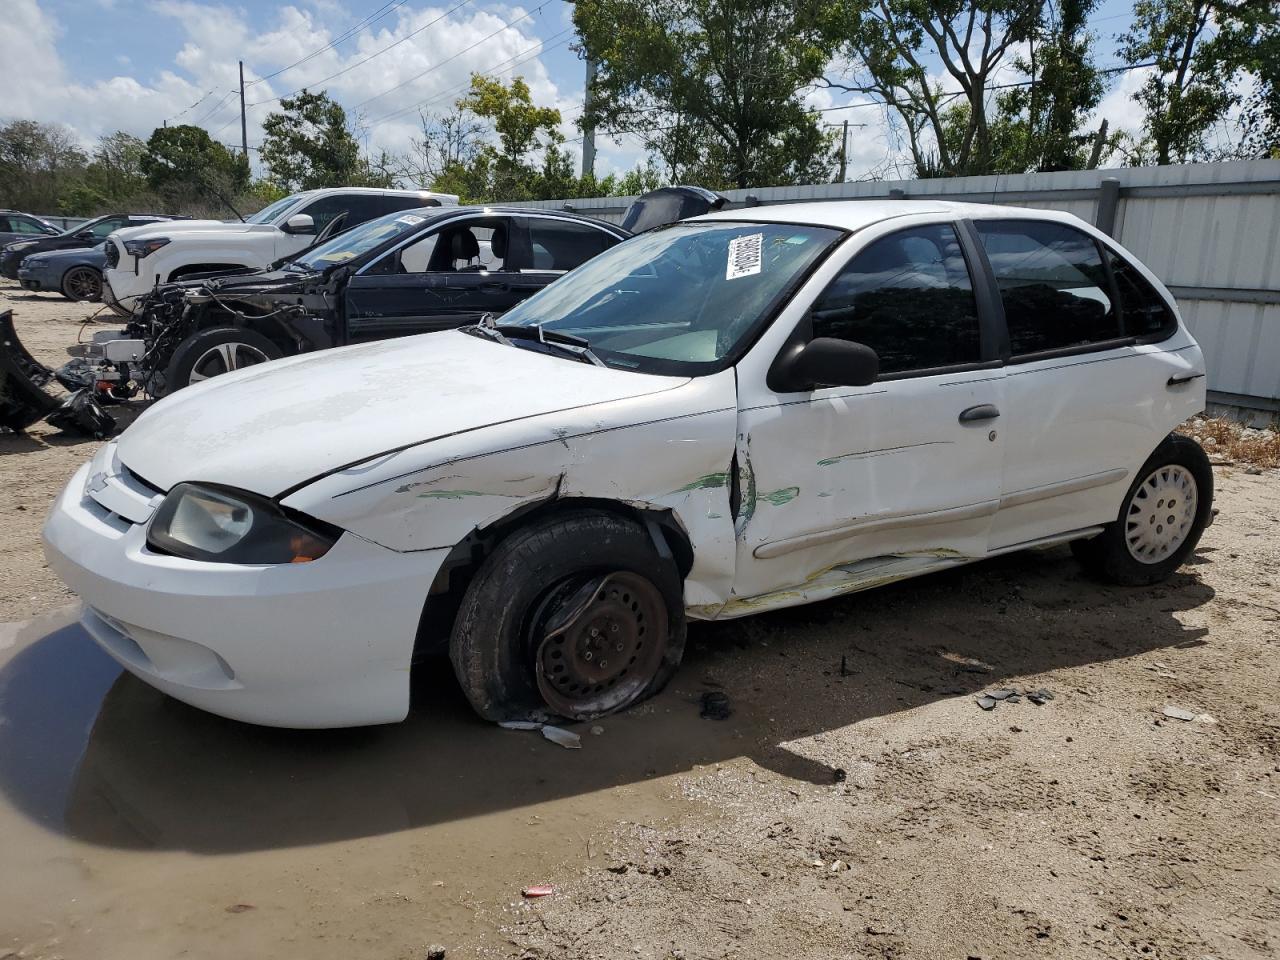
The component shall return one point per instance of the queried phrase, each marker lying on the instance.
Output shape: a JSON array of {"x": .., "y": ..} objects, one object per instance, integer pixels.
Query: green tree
[
  {"x": 38, "y": 163},
  {"x": 308, "y": 144},
  {"x": 892, "y": 45},
  {"x": 115, "y": 172},
  {"x": 1198, "y": 49},
  {"x": 1041, "y": 123},
  {"x": 712, "y": 87},
  {"x": 184, "y": 164}
]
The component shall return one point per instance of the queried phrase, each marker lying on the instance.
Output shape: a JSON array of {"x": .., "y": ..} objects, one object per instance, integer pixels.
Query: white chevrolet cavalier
[{"x": 746, "y": 411}]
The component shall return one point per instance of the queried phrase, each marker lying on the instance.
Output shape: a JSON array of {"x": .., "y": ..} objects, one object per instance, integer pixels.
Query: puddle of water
[{"x": 132, "y": 822}]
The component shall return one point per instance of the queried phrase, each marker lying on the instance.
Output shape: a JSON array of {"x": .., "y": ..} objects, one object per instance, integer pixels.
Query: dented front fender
[{"x": 668, "y": 451}]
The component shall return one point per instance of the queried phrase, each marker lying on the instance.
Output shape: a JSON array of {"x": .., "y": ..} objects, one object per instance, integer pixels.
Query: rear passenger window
[
  {"x": 1143, "y": 311},
  {"x": 907, "y": 296},
  {"x": 563, "y": 245},
  {"x": 1053, "y": 285}
]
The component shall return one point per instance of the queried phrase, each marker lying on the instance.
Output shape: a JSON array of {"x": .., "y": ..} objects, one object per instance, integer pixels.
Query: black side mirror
[{"x": 829, "y": 362}]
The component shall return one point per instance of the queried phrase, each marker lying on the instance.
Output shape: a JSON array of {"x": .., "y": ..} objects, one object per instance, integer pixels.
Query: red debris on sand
[{"x": 540, "y": 890}]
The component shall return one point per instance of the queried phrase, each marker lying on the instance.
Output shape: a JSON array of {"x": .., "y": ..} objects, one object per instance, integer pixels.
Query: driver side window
[{"x": 908, "y": 297}]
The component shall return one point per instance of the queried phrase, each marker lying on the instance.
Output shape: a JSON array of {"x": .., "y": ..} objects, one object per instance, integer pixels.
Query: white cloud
[{"x": 433, "y": 57}]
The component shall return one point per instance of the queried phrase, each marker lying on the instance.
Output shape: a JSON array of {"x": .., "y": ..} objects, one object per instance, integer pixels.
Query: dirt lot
[{"x": 857, "y": 803}]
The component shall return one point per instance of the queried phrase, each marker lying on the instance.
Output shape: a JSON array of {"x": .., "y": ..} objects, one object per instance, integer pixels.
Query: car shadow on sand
[{"x": 98, "y": 755}]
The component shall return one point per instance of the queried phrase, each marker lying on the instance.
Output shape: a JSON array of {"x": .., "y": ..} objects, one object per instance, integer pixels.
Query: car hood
[
  {"x": 167, "y": 227},
  {"x": 273, "y": 427},
  {"x": 90, "y": 256}
]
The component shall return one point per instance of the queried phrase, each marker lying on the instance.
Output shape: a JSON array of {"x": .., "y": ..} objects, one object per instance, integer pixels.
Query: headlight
[
  {"x": 231, "y": 526},
  {"x": 144, "y": 248},
  {"x": 22, "y": 245}
]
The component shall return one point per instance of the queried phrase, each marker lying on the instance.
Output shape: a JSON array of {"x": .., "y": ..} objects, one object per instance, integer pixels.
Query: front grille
[{"x": 113, "y": 254}]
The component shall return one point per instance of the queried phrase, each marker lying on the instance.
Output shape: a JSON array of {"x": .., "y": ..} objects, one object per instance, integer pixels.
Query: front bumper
[
  {"x": 37, "y": 280},
  {"x": 320, "y": 644},
  {"x": 9, "y": 263},
  {"x": 123, "y": 288}
]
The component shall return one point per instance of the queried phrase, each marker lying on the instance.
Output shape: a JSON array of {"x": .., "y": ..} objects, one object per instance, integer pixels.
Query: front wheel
[
  {"x": 1161, "y": 519},
  {"x": 576, "y": 615},
  {"x": 82, "y": 284},
  {"x": 216, "y": 351}
]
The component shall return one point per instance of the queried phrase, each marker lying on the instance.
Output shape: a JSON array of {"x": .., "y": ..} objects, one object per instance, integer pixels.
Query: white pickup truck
[{"x": 139, "y": 258}]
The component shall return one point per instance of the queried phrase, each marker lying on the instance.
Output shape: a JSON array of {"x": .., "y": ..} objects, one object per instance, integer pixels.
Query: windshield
[
  {"x": 272, "y": 210},
  {"x": 684, "y": 300},
  {"x": 358, "y": 240},
  {"x": 87, "y": 225}
]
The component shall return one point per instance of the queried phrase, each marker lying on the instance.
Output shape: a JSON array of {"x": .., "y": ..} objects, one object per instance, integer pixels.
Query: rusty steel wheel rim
[{"x": 599, "y": 643}]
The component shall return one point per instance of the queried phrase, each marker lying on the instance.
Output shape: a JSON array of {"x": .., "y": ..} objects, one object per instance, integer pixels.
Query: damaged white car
[{"x": 746, "y": 411}]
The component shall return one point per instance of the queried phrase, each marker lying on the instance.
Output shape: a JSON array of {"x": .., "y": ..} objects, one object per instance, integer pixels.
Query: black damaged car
[{"x": 404, "y": 273}]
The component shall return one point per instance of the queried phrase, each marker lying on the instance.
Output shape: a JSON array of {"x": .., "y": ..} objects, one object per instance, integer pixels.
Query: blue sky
[{"x": 101, "y": 65}]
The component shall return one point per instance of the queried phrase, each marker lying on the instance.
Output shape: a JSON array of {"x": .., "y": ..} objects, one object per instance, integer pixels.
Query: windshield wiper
[{"x": 567, "y": 343}]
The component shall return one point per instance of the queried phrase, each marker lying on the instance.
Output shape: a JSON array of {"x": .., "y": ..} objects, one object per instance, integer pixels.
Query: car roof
[
  {"x": 482, "y": 210},
  {"x": 857, "y": 214}
]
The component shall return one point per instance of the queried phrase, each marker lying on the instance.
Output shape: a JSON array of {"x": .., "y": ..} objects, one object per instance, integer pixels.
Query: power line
[
  {"x": 533, "y": 52},
  {"x": 207, "y": 94},
  {"x": 369, "y": 20},
  {"x": 371, "y": 56},
  {"x": 437, "y": 66},
  {"x": 216, "y": 107},
  {"x": 999, "y": 86}
]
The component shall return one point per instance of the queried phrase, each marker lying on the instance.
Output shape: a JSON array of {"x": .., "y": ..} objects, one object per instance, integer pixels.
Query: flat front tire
[
  {"x": 1162, "y": 517},
  {"x": 576, "y": 615}
]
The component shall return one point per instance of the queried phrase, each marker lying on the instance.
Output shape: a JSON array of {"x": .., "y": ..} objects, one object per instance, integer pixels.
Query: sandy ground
[{"x": 857, "y": 803}]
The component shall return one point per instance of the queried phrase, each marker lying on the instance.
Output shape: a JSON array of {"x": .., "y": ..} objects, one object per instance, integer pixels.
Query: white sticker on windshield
[
  {"x": 410, "y": 219},
  {"x": 744, "y": 256}
]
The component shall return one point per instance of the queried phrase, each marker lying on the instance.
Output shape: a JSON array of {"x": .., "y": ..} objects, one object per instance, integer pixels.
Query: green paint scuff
[
  {"x": 779, "y": 497},
  {"x": 708, "y": 482}
]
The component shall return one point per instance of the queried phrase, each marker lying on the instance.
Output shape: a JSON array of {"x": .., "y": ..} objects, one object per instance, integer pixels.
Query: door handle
[
  {"x": 495, "y": 286},
  {"x": 983, "y": 411},
  {"x": 1176, "y": 380}
]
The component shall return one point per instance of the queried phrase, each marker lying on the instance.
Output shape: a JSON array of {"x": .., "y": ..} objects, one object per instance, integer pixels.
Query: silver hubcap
[
  {"x": 224, "y": 358},
  {"x": 1161, "y": 514}
]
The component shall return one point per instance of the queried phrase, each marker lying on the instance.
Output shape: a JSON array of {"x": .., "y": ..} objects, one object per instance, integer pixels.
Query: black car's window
[
  {"x": 28, "y": 226},
  {"x": 1053, "y": 285},
  {"x": 561, "y": 245},
  {"x": 908, "y": 296},
  {"x": 358, "y": 241},
  {"x": 100, "y": 231},
  {"x": 1143, "y": 312}
]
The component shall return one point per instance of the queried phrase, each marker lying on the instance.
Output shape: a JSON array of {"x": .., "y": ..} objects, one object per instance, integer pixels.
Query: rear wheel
[
  {"x": 82, "y": 283},
  {"x": 1161, "y": 519},
  {"x": 576, "y": 615},
  {"x": 216, "y": 351}
]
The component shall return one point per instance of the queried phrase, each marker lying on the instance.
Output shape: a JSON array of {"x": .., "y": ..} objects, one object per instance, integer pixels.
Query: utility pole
[
  {"x": 244, "y": 127},
  {"x": 844, "y": 150},
  {"x": 588, "y": 132},
  {"x": 1098, "y": 142}
]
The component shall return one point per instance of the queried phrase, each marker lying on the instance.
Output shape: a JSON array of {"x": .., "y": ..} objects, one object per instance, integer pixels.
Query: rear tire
[
  {"x": 1161, "y": 519},
  {"x": 551, "y": 605},
  {"x": 82, "y": 284},
  {"x": 215, "y": 351}
]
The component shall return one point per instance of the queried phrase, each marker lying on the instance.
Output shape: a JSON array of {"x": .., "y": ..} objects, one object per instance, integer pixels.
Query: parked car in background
[
  {"x": 737, "y": 413},
  {"x": 88, "y": 234},
  {"x": 23, "y": 226},
  {"x": 140, "y": 258},
  {"x": 76, "y": 273},
  {"x": 403, "y": 273}
]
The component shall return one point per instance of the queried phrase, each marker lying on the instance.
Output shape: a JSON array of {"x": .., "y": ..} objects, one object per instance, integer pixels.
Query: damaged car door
[{"x": 844, "y": 482}]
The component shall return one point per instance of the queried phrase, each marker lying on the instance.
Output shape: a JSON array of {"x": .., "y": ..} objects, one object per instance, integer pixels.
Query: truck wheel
[
  {"x": 1161, "y": 519},
  {"x": 576, "y": 615},
  {"x": 214, "y": 351},
  {"x": 82, "y": 283}
]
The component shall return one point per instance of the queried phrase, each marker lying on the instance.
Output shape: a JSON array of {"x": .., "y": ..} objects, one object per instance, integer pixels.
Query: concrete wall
[{"x": 1210, "y": 231}]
